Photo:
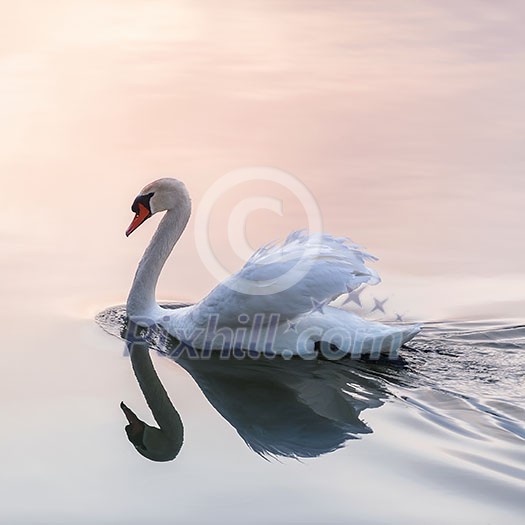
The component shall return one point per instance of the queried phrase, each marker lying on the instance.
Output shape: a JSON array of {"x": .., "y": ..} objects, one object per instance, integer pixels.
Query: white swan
[{"x": 277, "y": 303}]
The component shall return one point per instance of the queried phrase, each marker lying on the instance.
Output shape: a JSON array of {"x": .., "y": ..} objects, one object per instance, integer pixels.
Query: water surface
[{"x": 405, "y": 122}]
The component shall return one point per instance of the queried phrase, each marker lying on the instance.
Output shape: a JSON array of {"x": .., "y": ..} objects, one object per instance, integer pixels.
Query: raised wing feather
[{"x": 289, "y": 279}]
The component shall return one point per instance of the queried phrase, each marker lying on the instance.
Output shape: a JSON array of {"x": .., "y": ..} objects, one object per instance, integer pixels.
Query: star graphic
[
  {"x": 292, "y": 327},
  {"x": 379, "y": 305},
  {"x": 317, "y": 306},
  {"x": 353, "y": 296},
  {"x": 399, "y": 317}
]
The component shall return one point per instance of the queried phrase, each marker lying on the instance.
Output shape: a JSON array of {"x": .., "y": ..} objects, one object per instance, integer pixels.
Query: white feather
[{"x": 287, "y": 278}]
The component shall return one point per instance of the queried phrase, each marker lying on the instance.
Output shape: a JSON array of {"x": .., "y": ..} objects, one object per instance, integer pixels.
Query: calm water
[{"x": 404, "y": 120}]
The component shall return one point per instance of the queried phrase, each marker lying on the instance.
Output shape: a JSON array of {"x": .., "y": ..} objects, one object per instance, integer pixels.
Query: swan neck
[{"x": 141, "y": 299}]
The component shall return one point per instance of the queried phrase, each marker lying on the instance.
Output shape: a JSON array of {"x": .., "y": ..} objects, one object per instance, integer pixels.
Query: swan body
[{"x": 278, "y": 303}]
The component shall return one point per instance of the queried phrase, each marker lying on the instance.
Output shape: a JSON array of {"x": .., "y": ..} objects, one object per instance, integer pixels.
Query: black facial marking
[{"x": 144, "y": 200}]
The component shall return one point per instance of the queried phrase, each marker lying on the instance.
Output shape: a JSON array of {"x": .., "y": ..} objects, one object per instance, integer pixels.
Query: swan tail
[{"x": 410, "y": 332}]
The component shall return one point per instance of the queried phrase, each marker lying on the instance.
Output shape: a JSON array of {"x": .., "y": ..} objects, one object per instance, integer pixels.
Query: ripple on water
[{"x": 463, "y": 383}]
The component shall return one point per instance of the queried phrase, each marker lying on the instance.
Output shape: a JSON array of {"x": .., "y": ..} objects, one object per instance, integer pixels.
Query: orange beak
[{"x": 139, "y": 218}]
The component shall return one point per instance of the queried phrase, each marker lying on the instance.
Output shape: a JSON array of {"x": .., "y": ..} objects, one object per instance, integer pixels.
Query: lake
[{"x": 398, "y": 124}]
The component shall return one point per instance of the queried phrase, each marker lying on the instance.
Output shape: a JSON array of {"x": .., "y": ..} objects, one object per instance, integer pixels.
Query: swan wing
[{"x": 303, "y": 273}]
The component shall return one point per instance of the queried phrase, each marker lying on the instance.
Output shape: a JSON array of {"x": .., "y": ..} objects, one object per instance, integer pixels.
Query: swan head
[
  {"x": 160, "y": 195},
  {"x": 151, "y": 442}
]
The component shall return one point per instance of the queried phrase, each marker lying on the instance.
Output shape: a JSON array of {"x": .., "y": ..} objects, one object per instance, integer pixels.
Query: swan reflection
[
  {"x": 293, "y": 408},
  {"x": 157, "y": 444}
]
